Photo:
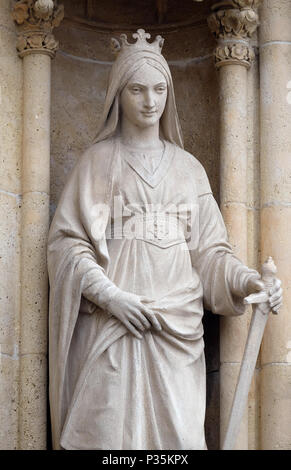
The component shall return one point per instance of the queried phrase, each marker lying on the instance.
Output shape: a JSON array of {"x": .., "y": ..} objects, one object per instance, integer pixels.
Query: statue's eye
[
  {"x": 160, "y": 89},
  {"x": 136, "y": 89}
]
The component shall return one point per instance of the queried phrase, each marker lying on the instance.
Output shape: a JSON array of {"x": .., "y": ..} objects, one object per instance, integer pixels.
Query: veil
[{"x": 122, "y": 70}]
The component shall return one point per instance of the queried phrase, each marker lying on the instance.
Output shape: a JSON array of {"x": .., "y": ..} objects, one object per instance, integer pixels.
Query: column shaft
[
  {"x": 233, "y": 199},
  {"x": 36, "y": 123},
  {"x": 35, "y": 221},
  {"x": 275, "y": 106}
]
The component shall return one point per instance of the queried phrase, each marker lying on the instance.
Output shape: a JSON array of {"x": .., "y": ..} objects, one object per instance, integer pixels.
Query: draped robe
[{"x": 109, "y": 389}]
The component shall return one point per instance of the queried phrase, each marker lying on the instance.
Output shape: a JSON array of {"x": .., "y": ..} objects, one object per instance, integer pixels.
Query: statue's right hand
[{"x": 135, "y": 316}]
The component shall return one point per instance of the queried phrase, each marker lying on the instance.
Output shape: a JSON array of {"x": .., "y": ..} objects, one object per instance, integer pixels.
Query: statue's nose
[{"x": 149, "y": 100}]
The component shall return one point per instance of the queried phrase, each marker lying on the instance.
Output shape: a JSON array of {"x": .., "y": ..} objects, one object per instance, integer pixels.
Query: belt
[{"x": 158, "y": 228}]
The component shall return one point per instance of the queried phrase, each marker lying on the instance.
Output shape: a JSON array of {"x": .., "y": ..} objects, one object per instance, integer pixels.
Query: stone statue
[{"x": 135, "y": 247}]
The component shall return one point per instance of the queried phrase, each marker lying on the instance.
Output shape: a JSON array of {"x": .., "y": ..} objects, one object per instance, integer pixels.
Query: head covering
[{"x": 131, "y": 57}]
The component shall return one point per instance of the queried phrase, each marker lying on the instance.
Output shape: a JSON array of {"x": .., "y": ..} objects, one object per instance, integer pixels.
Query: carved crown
[{"x": 141, "y": 43}]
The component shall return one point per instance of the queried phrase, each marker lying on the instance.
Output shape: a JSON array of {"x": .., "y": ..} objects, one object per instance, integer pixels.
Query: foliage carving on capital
[
  {"x": 37, "y": 42},
  {"x": 36, "y": 20},
  {"x": 234, "y": 54},
  {"x": 233, "y": 23}
]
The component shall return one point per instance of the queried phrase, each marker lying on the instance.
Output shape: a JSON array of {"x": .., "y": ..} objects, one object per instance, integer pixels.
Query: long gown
[{"x": 164, "y": 239}]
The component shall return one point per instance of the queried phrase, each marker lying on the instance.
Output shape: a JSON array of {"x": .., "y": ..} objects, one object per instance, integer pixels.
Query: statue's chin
[{"x": 148, "y": 120}]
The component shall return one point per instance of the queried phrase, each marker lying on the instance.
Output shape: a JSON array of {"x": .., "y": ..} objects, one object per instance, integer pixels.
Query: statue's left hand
[{"x": 255, "y": 285}]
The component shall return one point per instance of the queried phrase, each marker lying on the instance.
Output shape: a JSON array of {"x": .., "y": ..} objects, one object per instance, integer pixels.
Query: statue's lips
[{"x": 149, "y": 113}]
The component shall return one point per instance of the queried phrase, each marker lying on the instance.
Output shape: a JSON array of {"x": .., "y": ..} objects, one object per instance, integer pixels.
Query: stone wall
[{"x": 10, "y": 211}]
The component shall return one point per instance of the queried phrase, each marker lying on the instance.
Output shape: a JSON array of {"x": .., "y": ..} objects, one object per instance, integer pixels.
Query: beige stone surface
[
  {"x": 253, "y": 237},
  {"x": 36, "y": 123},
  {"x": 6, "y": 19},
  {"x": 9, "y": 401},
  {"x": 10, "y": 207},
  {"x": 276, "y": 406},
  {"x": 253, "y": 165},
  {"x": 278, "y": 331},
  {"x": 275, "y": 20},
  {"x": 254, "y": 412},
  {"x": 10, "y": 118},
  {"x": 275, "y": 68},
  {"x": 34, "y": 279},
  {"x": 233, "y": 133},
  {"x": 34, "y": 306},
  {"x": 235, "y": 215},
  {"x": 233, "y": 333},
  {"x": 11, "y": 103},
  {"x": 276, "y": 118},
  {"x": 33, "y": 402}
]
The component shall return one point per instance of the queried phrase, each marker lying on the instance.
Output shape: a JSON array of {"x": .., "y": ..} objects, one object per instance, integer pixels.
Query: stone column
[
  {"x": 233, "y": 22},
  {"x": 275, "y": 109},
  {"x": 36, "y": 45}
]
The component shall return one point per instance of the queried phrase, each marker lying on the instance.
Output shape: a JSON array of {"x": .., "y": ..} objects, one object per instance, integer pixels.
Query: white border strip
[{"x": 270, "y": 43}]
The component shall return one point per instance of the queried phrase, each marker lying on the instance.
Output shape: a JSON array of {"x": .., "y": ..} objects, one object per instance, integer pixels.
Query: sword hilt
[{"x": 269, "y": 271}]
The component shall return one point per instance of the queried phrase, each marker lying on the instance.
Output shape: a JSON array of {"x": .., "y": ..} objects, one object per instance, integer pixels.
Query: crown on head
[{"x": 141, "y": 43}]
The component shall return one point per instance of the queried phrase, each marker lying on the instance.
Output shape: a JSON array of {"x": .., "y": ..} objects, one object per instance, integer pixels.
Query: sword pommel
[{"x": 269, "y": 271}]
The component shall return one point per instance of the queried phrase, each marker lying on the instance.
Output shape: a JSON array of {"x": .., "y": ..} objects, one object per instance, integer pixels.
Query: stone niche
[{"x": 79, "y": 75}]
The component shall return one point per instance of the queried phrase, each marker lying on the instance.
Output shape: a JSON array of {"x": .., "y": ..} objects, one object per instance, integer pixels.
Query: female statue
[{"x": 136, "y": 245}]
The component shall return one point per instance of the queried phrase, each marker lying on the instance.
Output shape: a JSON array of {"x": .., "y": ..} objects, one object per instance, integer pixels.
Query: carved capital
[
  {"x": 36, "y": 20},
  {"x": 234, "y": 53},
  {"x": 233, "y": 22}
]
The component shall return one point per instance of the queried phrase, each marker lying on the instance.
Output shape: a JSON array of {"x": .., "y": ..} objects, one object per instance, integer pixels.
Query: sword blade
[{"x": 251, "y": 352}]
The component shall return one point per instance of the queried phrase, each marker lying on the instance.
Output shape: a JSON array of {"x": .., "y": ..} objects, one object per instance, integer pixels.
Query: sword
[{"x": 261, "y": 310}]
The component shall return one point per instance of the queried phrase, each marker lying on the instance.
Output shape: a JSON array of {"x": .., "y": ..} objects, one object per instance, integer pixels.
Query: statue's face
[{"x": 144, "y": 97}]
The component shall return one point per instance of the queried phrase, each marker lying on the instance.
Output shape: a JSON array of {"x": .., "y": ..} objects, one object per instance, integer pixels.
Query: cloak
[{"x": 81, "y": 333}]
